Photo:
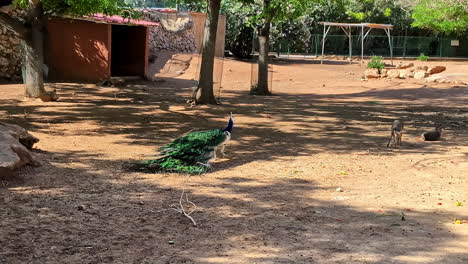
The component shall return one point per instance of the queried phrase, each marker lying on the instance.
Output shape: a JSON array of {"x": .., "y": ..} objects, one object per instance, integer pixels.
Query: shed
[
  {"x": 346, "y": 27},
  {"x": 92, "y": 49}
]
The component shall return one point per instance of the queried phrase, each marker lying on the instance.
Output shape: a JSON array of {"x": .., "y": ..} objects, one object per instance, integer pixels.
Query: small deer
[
  {"x": 433, "y": 135},
  {"x": 396, "y": 133}
]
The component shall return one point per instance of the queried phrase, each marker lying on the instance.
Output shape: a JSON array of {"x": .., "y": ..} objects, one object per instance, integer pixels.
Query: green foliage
[
  {"x": 275, "y": 11},
  {"x": 296, "y": 34},
  {"x": 422, "y": 57},
  {"x": 82, "y": 7},
  {"x": 442, "y": 16},
  {"x": 387, "y": 12},
  {"x": 376, "y": 63},
  {"x": 241, "y": 45},
  {"x": 188, "y": 154},
  {"x": 239, "y": 30},
  {"x": 360, "y": 16}
]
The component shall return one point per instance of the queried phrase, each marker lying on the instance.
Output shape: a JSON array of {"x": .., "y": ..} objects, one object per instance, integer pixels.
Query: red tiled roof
[{"x": 120, "y": 20}]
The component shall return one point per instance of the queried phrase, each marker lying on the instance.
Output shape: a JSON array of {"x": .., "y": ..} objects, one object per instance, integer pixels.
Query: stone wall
[
  {"x": 175, "y": 34},
  {"x": 10, "y": 51}
]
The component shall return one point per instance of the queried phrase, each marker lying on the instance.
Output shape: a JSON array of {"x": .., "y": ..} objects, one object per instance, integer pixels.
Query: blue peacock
[{"x": 191, "y": 153}]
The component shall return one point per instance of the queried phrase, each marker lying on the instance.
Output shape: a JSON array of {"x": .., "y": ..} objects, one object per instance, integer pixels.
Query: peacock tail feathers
[{"x": 190, "y": 153}]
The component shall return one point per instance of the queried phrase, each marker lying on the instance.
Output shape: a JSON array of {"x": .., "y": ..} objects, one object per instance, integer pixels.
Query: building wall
[{"x": 78, "y": 50}]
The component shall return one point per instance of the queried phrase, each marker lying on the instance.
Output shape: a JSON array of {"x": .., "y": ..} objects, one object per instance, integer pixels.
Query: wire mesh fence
[
  {"x": 218, "y": 68},
  {"x": 375, "y": 45}
]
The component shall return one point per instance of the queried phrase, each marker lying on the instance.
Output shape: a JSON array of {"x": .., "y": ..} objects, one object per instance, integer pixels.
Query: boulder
[
  {"x": 15, "y": 143},
  {"x": 383, "y": 73},
  {"x": 404, "y": 65},
  {"x": 423, "y": 68},
  {"x": 393, "y": 73},
  {"x": 403, "y": 74},
  {"x": 436, "y": 69},
  {"x": 420, "y": 74},
  {"x": 371, "y": 73}
]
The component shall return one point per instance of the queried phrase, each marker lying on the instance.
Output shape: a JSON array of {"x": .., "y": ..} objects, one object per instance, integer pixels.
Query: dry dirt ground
[{"x": 272, "y": 200}]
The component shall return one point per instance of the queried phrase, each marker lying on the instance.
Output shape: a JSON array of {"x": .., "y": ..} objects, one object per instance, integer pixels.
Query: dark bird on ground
[
  {"x": 191, "y": 153},
  {"x": 433, "y": 135}
]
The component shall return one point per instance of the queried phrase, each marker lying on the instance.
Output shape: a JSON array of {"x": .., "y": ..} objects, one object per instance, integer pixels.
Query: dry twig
[{"x": 182, "y": 210}]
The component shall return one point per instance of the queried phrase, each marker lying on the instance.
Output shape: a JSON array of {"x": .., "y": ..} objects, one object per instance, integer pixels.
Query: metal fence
[{"x": 403, "y": 46}]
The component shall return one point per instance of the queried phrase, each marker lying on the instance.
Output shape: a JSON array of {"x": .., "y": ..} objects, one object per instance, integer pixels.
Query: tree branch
[{"x": 13, "y": 24}]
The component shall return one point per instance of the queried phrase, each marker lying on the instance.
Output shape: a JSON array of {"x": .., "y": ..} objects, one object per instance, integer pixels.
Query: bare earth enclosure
[{"x": 274, "y": 199}]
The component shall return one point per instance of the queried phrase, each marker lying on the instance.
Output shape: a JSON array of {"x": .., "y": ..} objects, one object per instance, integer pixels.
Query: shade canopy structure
[{"x": 365, "y": 30}]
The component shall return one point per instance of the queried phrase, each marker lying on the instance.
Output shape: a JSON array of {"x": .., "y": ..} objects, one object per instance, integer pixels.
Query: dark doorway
[{"x": 128, "y": 50}]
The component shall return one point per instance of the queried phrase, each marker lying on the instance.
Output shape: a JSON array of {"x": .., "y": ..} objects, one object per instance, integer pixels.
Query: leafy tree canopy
[
  {"x": 80, "y": 7},
  {"x": 443, "y": 16}
]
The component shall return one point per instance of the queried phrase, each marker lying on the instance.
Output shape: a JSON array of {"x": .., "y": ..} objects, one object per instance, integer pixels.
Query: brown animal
[{"x": 396, "y": 133}]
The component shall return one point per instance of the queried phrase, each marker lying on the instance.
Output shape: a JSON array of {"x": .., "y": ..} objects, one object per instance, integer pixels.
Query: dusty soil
[{"x": 273, "y": 200}]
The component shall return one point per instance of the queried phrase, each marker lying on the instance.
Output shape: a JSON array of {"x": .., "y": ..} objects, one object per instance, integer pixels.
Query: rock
[
  {"x": 393, "y": 73},
  {"x": 371, "y": 73},
  {"x": 383, "y": 73},
  {"x": 339, "y": 189},
  {"x": 403, "y": 74},
  {"x": 14, "y": 144},
  {"x": 404, "y": 65},
  {"x": 420, "y": 74},
  {"x": 436, "y": 69},
  {"x": 4, "y": 61},
  {"x": 424, "y": 68},
  {"x": 443, "y": 80}
]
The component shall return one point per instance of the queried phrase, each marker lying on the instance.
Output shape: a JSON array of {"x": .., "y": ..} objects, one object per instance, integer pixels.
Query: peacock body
[{"x": 191, "y": 153}]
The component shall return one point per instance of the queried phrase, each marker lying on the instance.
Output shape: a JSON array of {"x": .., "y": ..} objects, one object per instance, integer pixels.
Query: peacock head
[{"x": 230, "y": 124}]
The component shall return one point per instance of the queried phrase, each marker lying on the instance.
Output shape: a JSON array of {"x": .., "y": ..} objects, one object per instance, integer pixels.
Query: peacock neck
[{"x": 229, "y": 126}]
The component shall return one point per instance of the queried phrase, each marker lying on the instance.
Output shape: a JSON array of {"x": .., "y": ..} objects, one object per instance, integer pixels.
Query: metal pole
[
  {"x": 362, "y": 44},
  {"x": 350, "y": 45},
  {"x": 387, "y": 30},
  {"x": 323, "y": 43}
]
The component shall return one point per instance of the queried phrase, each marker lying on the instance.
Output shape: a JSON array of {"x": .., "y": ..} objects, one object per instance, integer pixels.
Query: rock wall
[
  {"x": 10, "y": 51},
  {"x": 175, "y": 34}
]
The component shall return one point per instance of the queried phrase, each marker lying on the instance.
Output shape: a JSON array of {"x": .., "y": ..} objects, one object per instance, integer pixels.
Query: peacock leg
[
  {"x": 213, "y": 156},
  {"x": 222, "y": 151},
  {"x": 206, "y": 165}
]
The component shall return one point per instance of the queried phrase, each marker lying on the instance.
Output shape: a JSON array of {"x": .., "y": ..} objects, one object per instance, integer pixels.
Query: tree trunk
[
  {"x": 32, "y": 42},
  {"x": 204, "y": 92},
  {"x": 263, "y": 44},
  {"x": 33, "y": 56}
]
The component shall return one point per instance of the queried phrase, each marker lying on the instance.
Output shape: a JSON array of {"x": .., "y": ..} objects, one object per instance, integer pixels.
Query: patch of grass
[
  {"x": 376, "y": 63},
  {"x": 422, "y": 57}
]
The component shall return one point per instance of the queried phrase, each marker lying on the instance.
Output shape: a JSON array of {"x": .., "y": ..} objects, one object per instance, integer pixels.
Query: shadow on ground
[
  {"x": 94, "y": 212},
  {"x": 98, "y": 214}
]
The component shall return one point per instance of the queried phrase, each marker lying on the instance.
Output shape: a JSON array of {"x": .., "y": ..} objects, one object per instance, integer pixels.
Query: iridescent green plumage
[{"x": 190, "y": 153}]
